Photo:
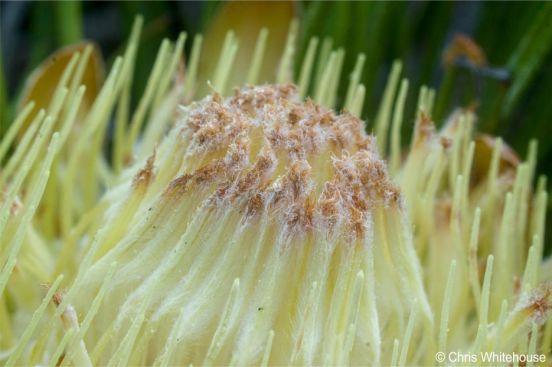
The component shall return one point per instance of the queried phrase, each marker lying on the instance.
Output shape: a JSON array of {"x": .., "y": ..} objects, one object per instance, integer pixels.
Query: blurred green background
[{"x": 512, "y": 90}]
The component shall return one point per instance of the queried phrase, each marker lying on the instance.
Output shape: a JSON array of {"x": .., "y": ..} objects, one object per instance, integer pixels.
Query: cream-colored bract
[{"x": 258, "y": 227}]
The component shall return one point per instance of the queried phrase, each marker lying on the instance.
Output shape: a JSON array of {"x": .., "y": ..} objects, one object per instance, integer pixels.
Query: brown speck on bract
[
  {"x": 57, "y": 299},
  {"x": 424, "y": 129},
  {"x": 16, "y": 205},
  {"x": 443, "y": 211},
  {"x": 517, "y": 285},
  {"x": 146, "y": 174},
  {"x": 446, "y": 143},
  {"x": 60, "y": 360},
  {"x": 179, "y": 185}
]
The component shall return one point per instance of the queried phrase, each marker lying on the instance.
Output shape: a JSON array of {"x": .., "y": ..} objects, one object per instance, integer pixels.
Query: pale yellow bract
[{"x": 255, "y": 226}]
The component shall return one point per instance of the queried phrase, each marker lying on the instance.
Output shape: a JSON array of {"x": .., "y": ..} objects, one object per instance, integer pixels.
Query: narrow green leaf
[
  {"x": 528, "y": 57},
  {"x": 68, "y": 22},
  {"x": 4, "y": 108}
]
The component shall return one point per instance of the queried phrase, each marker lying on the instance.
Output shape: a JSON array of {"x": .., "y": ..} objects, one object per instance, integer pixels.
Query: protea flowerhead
[{"x": 260, "y": 227}]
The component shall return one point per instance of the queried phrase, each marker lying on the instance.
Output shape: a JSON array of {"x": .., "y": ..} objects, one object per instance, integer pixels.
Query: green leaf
[
  {"x": 4, "y": 107},
  {"x": 68, "y": 21},
  {"x": 528, "y": 57}
]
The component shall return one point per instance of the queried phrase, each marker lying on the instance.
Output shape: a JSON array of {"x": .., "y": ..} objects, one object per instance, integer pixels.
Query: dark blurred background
[{"x": 505, "y": 68}]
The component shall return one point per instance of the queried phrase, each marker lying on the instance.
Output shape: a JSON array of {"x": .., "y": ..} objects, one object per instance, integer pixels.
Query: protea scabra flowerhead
[{"x": 259, "y": 227}]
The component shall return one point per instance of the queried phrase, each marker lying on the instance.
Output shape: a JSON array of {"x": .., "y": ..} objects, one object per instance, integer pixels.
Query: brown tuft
[
  {"x": 446, "y": 143},
  {"x": 146, "y": 174},
  {"x": 296, "y": 138},
  {"x": 540, "y": 303},
  {"x": 424, "y": 128},
  {"x": 299, "y": 216},
  {"x": 57, "y": 299},
  {"x": 295, "y": 115},
  {"x": 255, "y": 205}
]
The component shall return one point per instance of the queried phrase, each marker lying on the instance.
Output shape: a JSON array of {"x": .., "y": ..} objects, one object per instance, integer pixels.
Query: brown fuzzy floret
[
  {"x": 282, "y": 178},
  {"x": 539, "y": 303},
  {"x": 424, "y": 129}
]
